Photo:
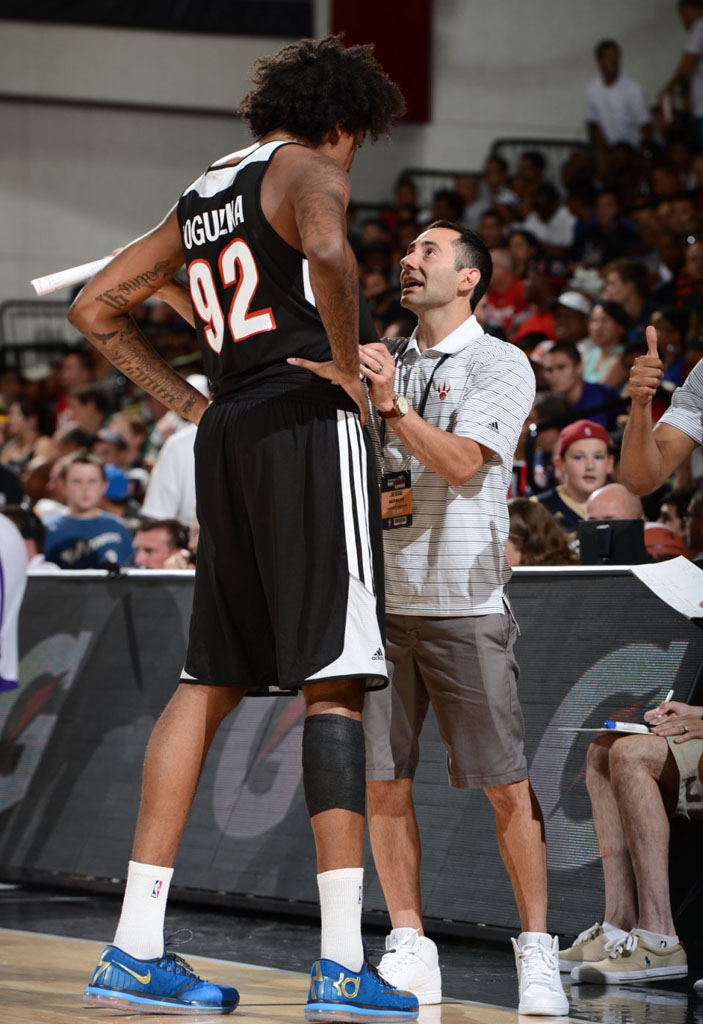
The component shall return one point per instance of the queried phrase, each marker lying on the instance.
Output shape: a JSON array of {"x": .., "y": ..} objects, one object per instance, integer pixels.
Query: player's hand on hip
[
  {"x": 330, "y": 371},
  {"x": 378, "y": 366},
  {"x": 646, "y": 373}
]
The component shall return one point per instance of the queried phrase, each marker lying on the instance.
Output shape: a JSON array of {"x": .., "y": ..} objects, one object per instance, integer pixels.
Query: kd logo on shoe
[{"x": 342, "y": 984}]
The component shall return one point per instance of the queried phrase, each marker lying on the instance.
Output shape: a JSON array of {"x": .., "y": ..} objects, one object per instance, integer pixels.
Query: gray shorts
[
  {"x": 466, "y": 668},
  {"x": 689, "y": 761}
]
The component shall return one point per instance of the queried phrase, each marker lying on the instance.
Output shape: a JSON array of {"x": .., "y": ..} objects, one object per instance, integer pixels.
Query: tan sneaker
[
  {"x": 633, "y": 959},
  {"x": 588, "y": 948}
]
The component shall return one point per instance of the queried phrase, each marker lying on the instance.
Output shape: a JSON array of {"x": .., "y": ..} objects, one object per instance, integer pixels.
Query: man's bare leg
[
  {"x": 618, "y": 876},
  {"x": 644, "y": 779},
  {"x": 174, "y": 759},
  {"x": 395, "y": 842},
  {"x": 520, "y": 831}
]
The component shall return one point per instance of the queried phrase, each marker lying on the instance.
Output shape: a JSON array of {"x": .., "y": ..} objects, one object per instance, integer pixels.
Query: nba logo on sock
[{"x": 155, "y": 892}]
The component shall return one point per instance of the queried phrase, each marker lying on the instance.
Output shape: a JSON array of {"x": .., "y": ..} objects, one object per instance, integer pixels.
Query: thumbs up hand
[{"x": 646, "y": 373}]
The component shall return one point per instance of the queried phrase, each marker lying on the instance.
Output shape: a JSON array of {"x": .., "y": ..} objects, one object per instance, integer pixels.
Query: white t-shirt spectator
[
  {"x": 694, "y": 45},
  {"x": 559, "y": 230},
  {"x": 620, "y": 109},
  {"x": 170, "y": 493}
]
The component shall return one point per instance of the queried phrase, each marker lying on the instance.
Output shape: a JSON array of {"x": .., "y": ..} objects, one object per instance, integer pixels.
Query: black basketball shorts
[{"x": 289, "y": 576}]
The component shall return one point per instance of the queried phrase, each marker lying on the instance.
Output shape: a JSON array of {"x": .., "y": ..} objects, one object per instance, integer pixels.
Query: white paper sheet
[{"x": 678, "y": 582}]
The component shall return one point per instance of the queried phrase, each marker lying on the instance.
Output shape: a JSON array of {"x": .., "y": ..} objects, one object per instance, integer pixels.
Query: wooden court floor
[{"x": 42, "y": 978}]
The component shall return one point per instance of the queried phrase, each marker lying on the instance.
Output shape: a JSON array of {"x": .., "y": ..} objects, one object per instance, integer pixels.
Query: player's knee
[
  {"x": 333, "y": 764},
  {"x": 389, "y": 797},
  {"x": 627, "y": 754}
]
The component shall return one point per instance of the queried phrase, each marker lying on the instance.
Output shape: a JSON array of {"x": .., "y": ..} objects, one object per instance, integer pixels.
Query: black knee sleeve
[{"x": 334, "y": 770}]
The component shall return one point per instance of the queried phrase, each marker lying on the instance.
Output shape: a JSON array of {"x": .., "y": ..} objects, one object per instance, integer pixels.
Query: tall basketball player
[{"x": 288, "y": 588}]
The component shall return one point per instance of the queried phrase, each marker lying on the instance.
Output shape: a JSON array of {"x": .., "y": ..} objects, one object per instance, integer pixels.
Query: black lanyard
[{"x": 423, "y": 401}]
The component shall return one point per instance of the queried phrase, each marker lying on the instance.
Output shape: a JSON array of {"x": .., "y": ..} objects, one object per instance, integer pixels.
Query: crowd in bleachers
[{"x": 586, "y": 253}]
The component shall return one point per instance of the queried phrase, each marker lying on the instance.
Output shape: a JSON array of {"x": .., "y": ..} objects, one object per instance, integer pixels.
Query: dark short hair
[
  {"x": 88, "y": 394},
  {"x": 470, "y": 251},
  {"x": 313, "y": 85},
  {"x": 81, "y": 355},
  {"x": 452, "y": 198},
  {"x": 177, "y": 532},
  {"x": 495, "y": 158},
  {"x": 27, "y": 522},
  {"x": 534, "y": 157},
  {"x": 605, "y": 44},
  {"x": 565, "y": 348}
]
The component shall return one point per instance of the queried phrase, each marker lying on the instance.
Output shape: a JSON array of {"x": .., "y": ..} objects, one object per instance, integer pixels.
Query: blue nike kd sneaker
[
  {"x": 166, "y": 984},
  {"x": 338, "y": 994}
]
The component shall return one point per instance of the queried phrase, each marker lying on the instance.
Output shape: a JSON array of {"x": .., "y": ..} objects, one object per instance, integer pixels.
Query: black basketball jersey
[{"x": 250, "y": 289}]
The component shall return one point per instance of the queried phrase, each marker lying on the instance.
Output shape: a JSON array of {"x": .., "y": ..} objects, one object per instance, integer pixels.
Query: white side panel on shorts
[
  {"x": 352, "y": 464},
  {"x": 363, "y": 652}
]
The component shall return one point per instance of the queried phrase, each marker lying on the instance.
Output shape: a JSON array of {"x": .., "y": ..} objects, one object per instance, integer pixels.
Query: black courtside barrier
[{"x": 99, "y": 660}]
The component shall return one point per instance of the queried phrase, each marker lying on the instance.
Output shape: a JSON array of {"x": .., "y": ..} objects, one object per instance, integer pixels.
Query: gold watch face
[{"x": 401, "y": 405}]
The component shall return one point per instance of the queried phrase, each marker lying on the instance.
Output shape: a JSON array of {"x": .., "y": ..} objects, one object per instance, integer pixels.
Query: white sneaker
[
  {"x": 411, "y": 964},
  {"x": 537, "y": 960}
]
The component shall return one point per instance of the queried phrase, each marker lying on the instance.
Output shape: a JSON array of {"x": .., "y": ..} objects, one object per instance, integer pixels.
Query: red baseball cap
[{"x": 582, "y": 430}]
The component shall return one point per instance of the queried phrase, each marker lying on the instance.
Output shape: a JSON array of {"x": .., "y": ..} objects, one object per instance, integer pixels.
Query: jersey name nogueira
[
  {"x": 253, "y": 303},
  {"x": 210, "y": 225}
]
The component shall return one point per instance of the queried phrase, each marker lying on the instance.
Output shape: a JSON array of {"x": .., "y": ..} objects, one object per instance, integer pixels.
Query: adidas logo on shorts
[{"x": 378, "y": 656}]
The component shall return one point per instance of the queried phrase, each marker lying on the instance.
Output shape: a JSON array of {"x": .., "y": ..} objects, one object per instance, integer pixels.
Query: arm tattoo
[
  {"x": 129, "y": 350},
  {"x": 320, "y": 209},
  {"x": 119, "y": 296}
]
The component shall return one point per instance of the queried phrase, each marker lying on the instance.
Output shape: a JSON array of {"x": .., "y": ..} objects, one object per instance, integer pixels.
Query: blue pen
[{"x": 625, "y": 726}]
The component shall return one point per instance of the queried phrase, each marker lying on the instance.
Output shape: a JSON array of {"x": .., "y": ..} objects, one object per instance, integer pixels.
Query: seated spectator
[
  {"x": 613, "y": 501},
  {"x": 607, "y": 234},
  {"x": 534, "y": 537},
  {"x": 70, "y": 438},
  {"x": 491, "y": 229},
  {"x": 86, "y": 537},
  {"x": 550, "y": 414},
  {"x": 134, "y": 431},
  {"x": 25, "y": 437},
  {"x": 505, "y": 298},
  {"x": 88, "y": 408},
  {"x": 571, "y": 313},
  {"x": 583, "y": 461},
  {"x": 563, "y": 369},
  {"x": 636, "y": 783},
  {"x": 529, "y": 177},
  {"x": 493, "y": 192},
  {"x": 110, "y": 447},
  {"x": 156, "y": 540},
  {"x": 446, "y": 205},
  {"x": 75, "y": 371},
  {"x": 672, "y": 512},
  {"x": 603, "y": 364},
  {"x": 33, "y": 533},
  {"x": 524, "y": 248},
  {"x": 673, "y": 327},
  {"x": 626, "y": 281},
  {"x": 541, "y": 290},
  {"x": 53, "y": 504},
  {"x": 170, "y": 493},
  {"x": 550, "y": 221},
  {"x": 185, "y": 558}
]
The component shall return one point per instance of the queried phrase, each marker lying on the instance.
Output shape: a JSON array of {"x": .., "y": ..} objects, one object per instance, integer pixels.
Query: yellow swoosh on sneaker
[{"x": 143, "y": 979}]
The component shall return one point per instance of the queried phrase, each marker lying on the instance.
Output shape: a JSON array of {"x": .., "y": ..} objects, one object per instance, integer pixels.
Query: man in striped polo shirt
[{"x": 452, "y": 402}]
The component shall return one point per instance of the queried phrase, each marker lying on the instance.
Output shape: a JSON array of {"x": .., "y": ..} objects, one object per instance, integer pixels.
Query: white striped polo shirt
[
  {"x": 686, "y": 409},
  {"x": 451, "y": 560}
]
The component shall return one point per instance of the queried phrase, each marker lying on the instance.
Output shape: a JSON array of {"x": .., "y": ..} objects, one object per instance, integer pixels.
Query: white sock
[
  {"x": 613, "y": 932},
  {"x": 141, "y": 929},
  {"x": 341, "y": 894},
  {"x": 657, "y": 940}
]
